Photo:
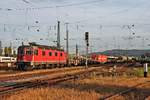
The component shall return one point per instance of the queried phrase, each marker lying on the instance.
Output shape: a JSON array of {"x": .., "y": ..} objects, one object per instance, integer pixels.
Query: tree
[{"x": 8, "y": 51}]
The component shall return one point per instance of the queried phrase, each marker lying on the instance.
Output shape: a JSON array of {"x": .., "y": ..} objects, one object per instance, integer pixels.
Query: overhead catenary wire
[
  {"x": 103, "y": 26},
  {"x": 109, "y": 15},
  {"x": 98, "y": 17},
  {"x": 26, "y": 1},
  {"x": 77, "y": 4},
  {"x": 48, "y": 7}
]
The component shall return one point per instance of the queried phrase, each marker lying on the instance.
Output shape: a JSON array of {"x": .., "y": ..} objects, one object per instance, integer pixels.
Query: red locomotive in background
[
  {"x": 40, "y": 56},
  {"x": 99, "y": 58}
]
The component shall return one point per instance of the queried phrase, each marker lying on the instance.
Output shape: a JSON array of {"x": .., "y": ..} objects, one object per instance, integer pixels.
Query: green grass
[{"x": 140, "y": 72}]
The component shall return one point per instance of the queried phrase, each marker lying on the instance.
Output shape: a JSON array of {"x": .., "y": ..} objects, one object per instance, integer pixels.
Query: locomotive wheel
[
  {"x": 19, "y": 67},
  {"x": 52, "y": 66},
  {"x": 44, "y": 66},
  {"x": 25, "y": 68}
]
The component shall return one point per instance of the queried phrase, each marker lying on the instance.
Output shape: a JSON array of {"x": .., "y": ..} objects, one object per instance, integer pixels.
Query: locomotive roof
[{"x": 42, "y": 46}]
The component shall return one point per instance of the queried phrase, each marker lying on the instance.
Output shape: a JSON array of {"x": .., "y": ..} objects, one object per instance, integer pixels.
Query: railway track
[
  {"x": 11, "y": 88},
  {"x": 39, "y": 73},
  {"x": 37, "y": 79},
  {"x": 130, "y": 92},
  {"x": 36, "y": 73},
  {"x": 29, "y": 76}
]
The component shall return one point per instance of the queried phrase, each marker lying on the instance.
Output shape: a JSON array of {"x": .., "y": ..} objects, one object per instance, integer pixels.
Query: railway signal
[
  {"x": 87, "y": 45},
  {"x": 86, "y": 36}
]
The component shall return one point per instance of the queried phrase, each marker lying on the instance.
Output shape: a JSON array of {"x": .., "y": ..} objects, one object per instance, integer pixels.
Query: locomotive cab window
[
  {"x": 56, "y": 53},
  {"x": 43, "y": 53},
  {"x": 21, "y": 51},
  {"x": 36, "y": 52},
  {"x": 50, "y": 53},
  {"x": 28, "y": 52}
]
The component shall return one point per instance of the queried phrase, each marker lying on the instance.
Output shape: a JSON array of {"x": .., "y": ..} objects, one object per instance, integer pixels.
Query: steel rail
[
  {"x": 9, "y": 78},
  {"x": 113, "y": 96},
  {"x": 51, "y": 81}
]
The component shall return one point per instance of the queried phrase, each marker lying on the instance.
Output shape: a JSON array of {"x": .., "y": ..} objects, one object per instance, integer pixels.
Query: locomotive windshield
[
  {"x": 35, "y": 52},
  {"x": 21, "y": 51},
  {"x": 29, "y": 52}
]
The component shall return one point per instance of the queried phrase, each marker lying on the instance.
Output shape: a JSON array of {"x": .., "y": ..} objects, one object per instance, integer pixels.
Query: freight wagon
[{"x": 6, "y": 62}]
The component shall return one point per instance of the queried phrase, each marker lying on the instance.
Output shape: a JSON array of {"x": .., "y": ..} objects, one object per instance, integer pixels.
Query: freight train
[
  {"x": 40, "y": 56},
  {"x": 35, "y": 56},
  {"x": 100, "y": 58},
  {"x": 145, "y": 58}
]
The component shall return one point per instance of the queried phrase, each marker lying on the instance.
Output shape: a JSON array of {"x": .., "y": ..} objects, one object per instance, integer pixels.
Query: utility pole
[
  {"x": 87, "y": 46},
  {"x": 67, "y": 43},
  {"x": 1, "y": 48},
  {"x": 77, "y": 52},
  {"x": 58, "y": 35},
  {"x": 11, "y": 49}
]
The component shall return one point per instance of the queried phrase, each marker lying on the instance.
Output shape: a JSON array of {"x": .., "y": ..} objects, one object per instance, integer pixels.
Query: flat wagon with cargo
[{"x": 7, "y": 62}]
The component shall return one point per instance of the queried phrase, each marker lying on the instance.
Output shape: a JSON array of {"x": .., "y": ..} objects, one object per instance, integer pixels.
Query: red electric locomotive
[
  {"x": 40, "y": 56},
  {"x": 99, "y": 58}
]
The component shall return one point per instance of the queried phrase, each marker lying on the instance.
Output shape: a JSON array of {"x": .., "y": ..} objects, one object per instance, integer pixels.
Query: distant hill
[{"x": 118, "y": 52}]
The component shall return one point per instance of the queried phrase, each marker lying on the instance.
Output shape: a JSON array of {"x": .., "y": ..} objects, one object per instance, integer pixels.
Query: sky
[{"x": 112, "y": 24}]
